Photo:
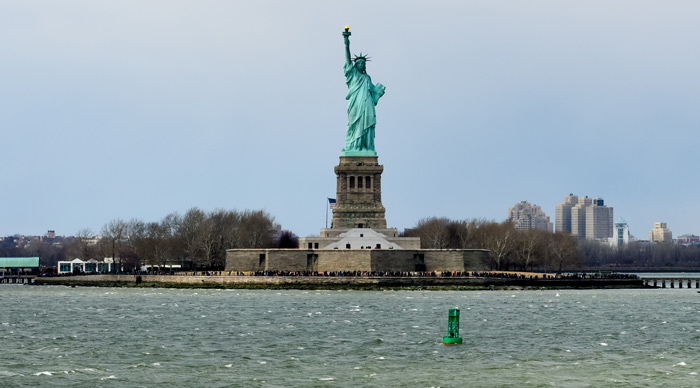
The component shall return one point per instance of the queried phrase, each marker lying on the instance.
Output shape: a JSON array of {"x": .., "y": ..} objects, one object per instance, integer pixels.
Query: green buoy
[{"x": 452, "y": 337}]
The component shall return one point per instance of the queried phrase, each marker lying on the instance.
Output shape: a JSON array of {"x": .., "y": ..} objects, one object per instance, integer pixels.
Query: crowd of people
[{"x": 420, "y": 274}]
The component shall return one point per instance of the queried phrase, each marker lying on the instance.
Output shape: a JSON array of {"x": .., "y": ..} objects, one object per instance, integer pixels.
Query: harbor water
[{"x": 129, "y": 337}]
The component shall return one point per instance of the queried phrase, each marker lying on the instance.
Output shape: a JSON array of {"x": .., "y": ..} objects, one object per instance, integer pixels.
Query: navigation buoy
[{"x": 452, "y": 337}]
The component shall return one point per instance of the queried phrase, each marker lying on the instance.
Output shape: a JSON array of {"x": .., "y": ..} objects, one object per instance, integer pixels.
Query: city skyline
[{"x": 140, "y": 110}]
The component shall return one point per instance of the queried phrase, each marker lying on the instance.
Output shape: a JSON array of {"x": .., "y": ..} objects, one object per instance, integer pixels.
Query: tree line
[
  {"x": 509, "y": 248},
  {"x": 512, "y": 249},
  {"x": 197, "y": 239}
]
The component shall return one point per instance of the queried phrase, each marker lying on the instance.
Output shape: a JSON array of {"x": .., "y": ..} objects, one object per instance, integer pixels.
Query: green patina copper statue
[{"x": 362, "y": 96}]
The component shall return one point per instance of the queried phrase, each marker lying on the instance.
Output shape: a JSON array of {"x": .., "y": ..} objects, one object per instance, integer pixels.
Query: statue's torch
[{"x": 347, "y": 33}]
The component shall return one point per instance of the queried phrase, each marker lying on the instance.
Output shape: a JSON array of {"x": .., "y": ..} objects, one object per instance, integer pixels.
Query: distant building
[
  {"x": 578, "y": 218},
  {"x": 585, "y": 218},
  {"x": 688, "y": 239},
  {"x": 51, "y": 234},
  {"x": 621, "y": 234},
  {"x": 562, "y": 215},
  {"x": 660, "y": 233},
  {"x": 525, "y": 216},
  {"x": 599, "y": 220}
]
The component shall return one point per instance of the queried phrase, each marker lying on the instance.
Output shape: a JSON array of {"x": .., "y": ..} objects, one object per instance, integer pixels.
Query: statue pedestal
[{"x": 359, "y": 194}]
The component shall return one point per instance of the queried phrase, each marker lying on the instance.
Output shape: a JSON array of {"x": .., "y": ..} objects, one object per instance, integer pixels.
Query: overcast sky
[{"x": 136, "y": 109}]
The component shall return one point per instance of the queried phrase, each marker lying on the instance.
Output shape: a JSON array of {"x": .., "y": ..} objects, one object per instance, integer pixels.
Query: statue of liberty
[{"x": 362, "y": 97}]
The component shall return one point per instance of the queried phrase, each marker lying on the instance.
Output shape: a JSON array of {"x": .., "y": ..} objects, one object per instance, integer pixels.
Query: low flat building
[
  {"x": 19, "y": 265},
  {"x": 688, "y": 239}
]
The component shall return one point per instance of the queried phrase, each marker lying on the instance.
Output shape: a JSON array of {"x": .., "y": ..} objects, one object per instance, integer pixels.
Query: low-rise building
[
  {"x": 688, "y": 239},
  {"x": 77, "y": 266}
]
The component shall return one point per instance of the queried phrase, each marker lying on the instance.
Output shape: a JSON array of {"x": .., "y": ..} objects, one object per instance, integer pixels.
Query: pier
[
  {"x": 671, "y": 282},
  {"x": 17, "y": 279}
]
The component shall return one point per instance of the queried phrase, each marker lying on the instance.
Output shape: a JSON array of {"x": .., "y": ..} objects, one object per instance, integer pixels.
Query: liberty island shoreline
[{"x": 502, "y": 281}]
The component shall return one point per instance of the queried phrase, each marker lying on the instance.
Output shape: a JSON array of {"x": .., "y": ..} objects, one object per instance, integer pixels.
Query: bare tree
[
  {"x": 190, "y": 234},
  {"x": 499, "y": 239},
  {"x": 114, "y": 236},
  {"x": 563, "y": 249}
]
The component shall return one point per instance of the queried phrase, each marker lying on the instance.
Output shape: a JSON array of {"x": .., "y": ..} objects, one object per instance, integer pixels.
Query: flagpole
[{"x": 327, "y": 205}]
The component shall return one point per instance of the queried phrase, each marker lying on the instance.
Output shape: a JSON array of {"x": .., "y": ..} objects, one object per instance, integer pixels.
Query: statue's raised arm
[
  {"x": 346, "y": 38},
  {"x": 362, "y": 96}
]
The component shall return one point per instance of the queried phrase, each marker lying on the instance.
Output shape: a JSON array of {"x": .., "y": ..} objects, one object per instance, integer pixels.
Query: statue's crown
[{"x": 361, "y": 57}]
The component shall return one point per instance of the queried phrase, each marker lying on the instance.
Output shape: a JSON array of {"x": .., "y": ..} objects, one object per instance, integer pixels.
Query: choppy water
[{"x": 112, "y": 337}]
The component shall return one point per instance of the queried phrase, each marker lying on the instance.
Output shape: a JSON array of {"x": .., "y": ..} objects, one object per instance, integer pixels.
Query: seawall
[{"x": 332, "y": 282}]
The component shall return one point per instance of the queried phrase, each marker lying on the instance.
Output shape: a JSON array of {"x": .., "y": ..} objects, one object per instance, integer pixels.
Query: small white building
[{"x": 77, "y": 266}]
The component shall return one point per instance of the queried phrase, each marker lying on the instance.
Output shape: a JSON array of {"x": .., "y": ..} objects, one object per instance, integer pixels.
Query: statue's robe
[{"x": 362, "y": 97}]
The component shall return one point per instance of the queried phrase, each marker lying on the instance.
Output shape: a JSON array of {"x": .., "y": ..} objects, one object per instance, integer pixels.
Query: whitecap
[
  {"x": 43, "y": 373},
  {"x": 108, "y": 377},
  {"x": 156, "y": 364},
  {"x": 680, "y": 364},
  {"x": 693, "y": 373},
  {"x": 326, "y": 378},
  {"x": 603, "y": 344},
  {"x": 263, "y": 362},
  {"x": 228, "y": 365},
  {"x": 357, "y": 367}
]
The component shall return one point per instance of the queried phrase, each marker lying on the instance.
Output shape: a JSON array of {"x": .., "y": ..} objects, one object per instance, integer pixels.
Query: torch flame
[{"x": 347, "y": 27}]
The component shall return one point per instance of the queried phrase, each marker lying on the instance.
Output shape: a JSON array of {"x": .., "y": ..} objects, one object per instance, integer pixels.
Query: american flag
[{"x": 331, "y": 203}]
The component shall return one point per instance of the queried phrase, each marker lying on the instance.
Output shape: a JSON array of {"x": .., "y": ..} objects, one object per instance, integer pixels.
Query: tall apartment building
[
  {"x": 526, "y": 216},
  {"x": 660, "y": 233},
  {"x": 562, "y": 214},
  {"x": 586, "y": 218},
  {"x": 599, "y": 220},
  {"x": 578, "y": 217}
]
